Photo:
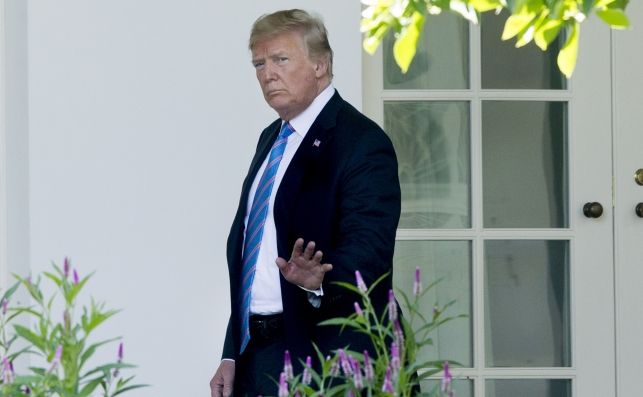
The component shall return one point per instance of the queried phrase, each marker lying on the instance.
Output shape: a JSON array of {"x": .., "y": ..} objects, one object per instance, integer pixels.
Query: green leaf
[
  {"x": 107, "y": 368},
  {"x": 569, "y": 53},
  {"x": 92, "y": 349},
  {"x": 406, "y": 43},
  {"x": 516, "y": 24},
  {"x": 53, "y": 278},
  {"x": 603, "y": 3},
  {"x": 8, "y": 293},
  {"x": 90, "y": 386},
  {"x": 374, "y": 38},
  {"x": 123, "y": 390},
  {"x": 340, "y": 321},
  {"x": 485, "y": 5},
  {"x": 547, "y": 32},
  {"x": 30, "y": 336},
  {"x": 614, "y": 17}
]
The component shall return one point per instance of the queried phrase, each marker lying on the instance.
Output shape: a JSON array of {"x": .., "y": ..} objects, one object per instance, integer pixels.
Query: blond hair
[{"x": 310, "y": 27}]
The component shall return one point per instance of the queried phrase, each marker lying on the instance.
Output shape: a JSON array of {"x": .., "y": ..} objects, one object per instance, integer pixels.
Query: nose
[{"x": 268, "y": 73}]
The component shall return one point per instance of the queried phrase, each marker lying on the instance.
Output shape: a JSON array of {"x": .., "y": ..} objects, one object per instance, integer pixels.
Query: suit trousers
[{"x": 257, "y": 370}]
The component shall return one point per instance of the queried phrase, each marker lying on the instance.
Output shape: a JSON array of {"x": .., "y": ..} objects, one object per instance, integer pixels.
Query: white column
[{"x": 3, "y": 157}]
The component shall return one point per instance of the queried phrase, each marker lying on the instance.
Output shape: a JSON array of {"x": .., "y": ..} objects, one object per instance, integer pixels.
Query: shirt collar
[{"x": 304, "y": 120}]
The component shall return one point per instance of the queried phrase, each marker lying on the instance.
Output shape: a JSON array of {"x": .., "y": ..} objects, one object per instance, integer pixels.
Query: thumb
[{"x": 281, "y": 263}]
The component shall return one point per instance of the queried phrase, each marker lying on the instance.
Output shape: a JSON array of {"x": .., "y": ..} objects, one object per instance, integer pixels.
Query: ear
[{"x": 321, "y": 67}]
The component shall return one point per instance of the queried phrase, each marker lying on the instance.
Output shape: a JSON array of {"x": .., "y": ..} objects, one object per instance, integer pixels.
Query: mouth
[{"x": 274, "y": 92}]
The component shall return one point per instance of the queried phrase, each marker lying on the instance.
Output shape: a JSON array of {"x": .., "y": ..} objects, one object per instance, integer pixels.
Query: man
[{"x": 321, "y": 200}]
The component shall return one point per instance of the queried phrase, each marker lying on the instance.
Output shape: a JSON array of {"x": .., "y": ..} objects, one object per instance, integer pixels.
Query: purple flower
[
  {"x": 76, "y": 278},
  {"x": 398, "y": 333},
  {"x": 446, "y": 378},
  {"x": 395, "y": 357},
  {"x": 66, "y": 267},
  {"x": 369, "y": 373},
  {"x": 357, "y": 374},
  {"x": 283, "y": 386},
  {"x": 346, "y": 365},
  {"x": 7, "y": 371},
  {"x": 360, "y": 282},
  {"x": 5, "y": 306},
  {"x": 417, "y": 282},
  {"x": 387, "y": 386},
  {"x": 288, "y": 371},
  {"x": 120, "y": 352},
  {"x": 392, "y": 306},
  {"x": 334, "y": 368},
  {"x": 56, "y": 360},
  {"x": 306, "y": 378},
  {"x": 119, "y": 359},
  {"x": 358, "y": 309}
]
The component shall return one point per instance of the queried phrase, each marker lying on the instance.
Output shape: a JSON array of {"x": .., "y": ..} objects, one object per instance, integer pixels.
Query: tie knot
[{"x": 286, "y": 130}]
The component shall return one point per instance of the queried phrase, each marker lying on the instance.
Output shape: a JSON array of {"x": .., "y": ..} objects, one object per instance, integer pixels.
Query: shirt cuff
[
  {"x": 315, "y": 292},
  {"x": 314, "y": 296}
]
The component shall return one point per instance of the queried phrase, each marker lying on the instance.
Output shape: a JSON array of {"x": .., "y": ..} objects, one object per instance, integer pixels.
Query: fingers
[
  {"x": 308, "y": 253},
  {"x": 227, "y": 390},
  {"x": 310, "y": 249},
  {"x": 222, "y": 382},
  {"x": 298, "y": 248},
  {"x": 215, "y": 387}
]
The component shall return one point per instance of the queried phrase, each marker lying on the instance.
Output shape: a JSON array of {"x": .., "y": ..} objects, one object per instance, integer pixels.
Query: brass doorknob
[
  {"x": 593, "y": 210},
  {"x": 639, "y": 210},
  {"x": 638, "y": 176}
]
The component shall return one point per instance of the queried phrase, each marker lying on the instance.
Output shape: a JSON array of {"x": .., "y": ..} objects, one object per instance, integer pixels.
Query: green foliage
[
  {"x": 540, "y": 21},
  {"x": 53, "y": 335},
  {"x": 395, "y": 370}
]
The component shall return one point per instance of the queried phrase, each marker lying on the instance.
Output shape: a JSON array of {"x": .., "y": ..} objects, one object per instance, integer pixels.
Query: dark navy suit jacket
[{"x": 341, "y": 190}]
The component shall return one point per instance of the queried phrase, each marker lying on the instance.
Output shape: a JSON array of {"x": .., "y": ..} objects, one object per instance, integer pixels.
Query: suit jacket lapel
[{"x": 314, "y": 143}]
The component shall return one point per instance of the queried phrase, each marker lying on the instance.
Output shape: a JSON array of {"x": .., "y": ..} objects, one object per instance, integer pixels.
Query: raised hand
[{"x": 304, "y": 267}]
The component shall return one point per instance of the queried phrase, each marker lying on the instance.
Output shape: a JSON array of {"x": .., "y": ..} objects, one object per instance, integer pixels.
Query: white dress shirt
[{"x": 266, "y": 288}]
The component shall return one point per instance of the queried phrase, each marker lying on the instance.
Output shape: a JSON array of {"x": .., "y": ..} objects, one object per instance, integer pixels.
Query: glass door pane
[
  {"x": 527, "y": 307},
  {"x": 450, "y": 263},
  {"x": 439, "y": 63},
  {"x": 507, "y": 67},
  {"x": 524, "y": 162},
  {"x": 432, "y": 142}
]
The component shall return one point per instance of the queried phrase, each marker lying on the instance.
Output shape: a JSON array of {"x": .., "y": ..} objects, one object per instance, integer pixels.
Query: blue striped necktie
[{"x": 254, "y": 230}]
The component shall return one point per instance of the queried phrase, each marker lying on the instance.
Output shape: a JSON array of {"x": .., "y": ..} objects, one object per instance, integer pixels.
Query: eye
[
  {"x": 282, "y": 59},
  {"x": 258, "y": 64}
]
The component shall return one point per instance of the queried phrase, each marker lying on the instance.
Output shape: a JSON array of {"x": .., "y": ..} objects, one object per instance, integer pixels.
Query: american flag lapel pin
[{"x": 316, "y": 143}]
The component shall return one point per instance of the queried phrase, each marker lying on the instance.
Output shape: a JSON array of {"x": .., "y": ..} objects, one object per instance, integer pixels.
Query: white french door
[
  {"x": 506, "y": 174},
  {"x": 628, "y": 194}
]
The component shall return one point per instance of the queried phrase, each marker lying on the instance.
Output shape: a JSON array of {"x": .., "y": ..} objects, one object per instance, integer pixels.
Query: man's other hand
[
  {"x": 304, "y": 267},
  {"x": 223, "y": 380}
]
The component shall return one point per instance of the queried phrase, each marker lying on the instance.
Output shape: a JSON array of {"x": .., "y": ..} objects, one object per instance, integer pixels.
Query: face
[{"x": 289, "y": 79}]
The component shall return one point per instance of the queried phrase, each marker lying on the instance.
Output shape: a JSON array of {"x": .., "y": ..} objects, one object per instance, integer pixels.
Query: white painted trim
[{"x": 4, "y": 273}]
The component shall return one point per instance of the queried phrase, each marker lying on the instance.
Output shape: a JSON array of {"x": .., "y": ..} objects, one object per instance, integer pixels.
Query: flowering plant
[
  {"x": 397, "y": 340},
  {"x": 60, "y": 342}
]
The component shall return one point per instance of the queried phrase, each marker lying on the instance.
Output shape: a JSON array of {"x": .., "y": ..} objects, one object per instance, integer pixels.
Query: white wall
[
  {"x": 143, "y": 116},
  {"x": 16, "y": 141}
]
